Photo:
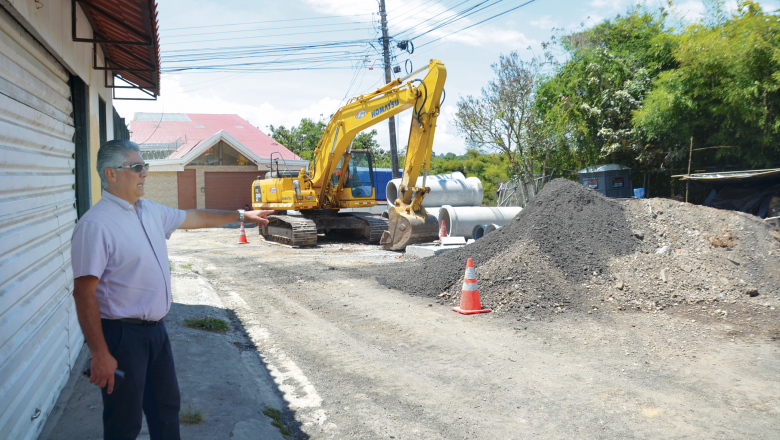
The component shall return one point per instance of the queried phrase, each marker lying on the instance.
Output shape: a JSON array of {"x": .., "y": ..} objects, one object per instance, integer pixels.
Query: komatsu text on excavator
[{"x": 341, "y": 177}]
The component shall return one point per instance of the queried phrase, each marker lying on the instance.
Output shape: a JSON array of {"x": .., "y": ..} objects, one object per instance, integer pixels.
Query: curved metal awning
[
  {"x": 127, "y": 31},
  {"x": 733, "y": 176}
]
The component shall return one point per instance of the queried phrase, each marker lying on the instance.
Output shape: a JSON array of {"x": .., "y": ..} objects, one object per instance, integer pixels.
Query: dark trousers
[{"x": 144, "y": 354}]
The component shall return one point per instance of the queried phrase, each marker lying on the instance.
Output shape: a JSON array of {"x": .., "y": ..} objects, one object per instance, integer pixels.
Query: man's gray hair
[{"x": 111, "y": 155}]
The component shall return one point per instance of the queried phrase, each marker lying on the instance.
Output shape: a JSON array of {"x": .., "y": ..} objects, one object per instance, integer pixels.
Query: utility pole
[
  {"x": 688, "y": 180},
  {"x": 388, "y": 78}
]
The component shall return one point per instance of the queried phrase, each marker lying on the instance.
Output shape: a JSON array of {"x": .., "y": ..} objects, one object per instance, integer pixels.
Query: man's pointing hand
[{"x": 257, "y": 217}]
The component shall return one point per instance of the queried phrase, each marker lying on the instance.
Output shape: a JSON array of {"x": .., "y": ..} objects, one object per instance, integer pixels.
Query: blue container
[
  {"x": 639, "y": 193},
  {"x": 381, "y": 177}
]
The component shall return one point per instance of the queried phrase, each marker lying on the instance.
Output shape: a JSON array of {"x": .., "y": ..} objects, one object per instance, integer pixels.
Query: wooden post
[{"x": 688, "y": 180}]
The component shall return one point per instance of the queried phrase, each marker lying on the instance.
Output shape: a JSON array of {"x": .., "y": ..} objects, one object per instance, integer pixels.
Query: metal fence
[{"x": 518, "y": 192}]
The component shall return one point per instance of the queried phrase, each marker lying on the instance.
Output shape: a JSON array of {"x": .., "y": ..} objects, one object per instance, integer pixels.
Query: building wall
[
  {"x": 96, "y": 91},
  {"x": 40, "y": 338},
  {"x": 200, "y": 178},
  {"x": 162, "y": 187},
  {"x": 50, "y": 25}
]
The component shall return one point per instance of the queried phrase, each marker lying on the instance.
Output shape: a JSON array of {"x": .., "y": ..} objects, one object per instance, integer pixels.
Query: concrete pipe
[
  {"x": 491, "y": 227},
  {"x": 477, "y": 232},
  {"x": 461, "y": 220},
  {"x": 446, "y": 189}
]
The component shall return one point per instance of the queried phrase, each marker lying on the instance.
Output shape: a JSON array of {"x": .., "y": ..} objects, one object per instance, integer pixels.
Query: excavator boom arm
[{"x": 422, "y": 96}]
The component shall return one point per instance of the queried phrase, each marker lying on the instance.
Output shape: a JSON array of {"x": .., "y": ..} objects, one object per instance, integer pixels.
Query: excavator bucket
[{"x": 408, "y": 227}]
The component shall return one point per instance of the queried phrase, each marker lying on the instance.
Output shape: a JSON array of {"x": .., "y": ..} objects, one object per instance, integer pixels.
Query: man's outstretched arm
[{"x": 211, "y": 218}]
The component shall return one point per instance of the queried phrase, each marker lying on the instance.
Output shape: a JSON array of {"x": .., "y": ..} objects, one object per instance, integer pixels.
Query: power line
[
  {"x": 409, "y": 12},
  {"x": 269, "y": 47},
  {"x": 457, "y": 16},
  {"x": 267, "y": 36},
  {"x": 478, "y": 23},
  {"x": 444, "y": 5},
  {"x": 261, "y": 22},
  {"x": 266, "y": 29}
]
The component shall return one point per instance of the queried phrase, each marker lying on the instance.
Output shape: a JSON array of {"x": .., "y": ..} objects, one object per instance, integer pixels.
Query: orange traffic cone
[
  {"x": 242, "y": 235},
  {"x": 469, "y": 298},
  {"x": 442, "y": 231}
]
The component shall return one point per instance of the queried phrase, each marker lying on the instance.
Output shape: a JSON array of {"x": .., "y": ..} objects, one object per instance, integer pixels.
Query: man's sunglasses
[{"x": 138, "y": 167}]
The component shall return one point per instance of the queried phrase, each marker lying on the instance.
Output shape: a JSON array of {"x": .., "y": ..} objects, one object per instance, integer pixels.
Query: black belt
[{"x": 140, "y": 321}]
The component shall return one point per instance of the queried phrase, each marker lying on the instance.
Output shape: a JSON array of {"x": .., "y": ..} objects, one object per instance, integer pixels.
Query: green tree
[
  {"x": 491, "y": 169},
  {"x": 301, "y": 139},
  {"x": 504, "y": 119},
  {"x": 590, "y": 99},
  {"x": 723, "y": 92}
]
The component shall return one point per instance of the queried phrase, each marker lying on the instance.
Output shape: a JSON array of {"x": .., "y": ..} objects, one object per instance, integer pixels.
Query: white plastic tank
[
  {"x": 452, "y": 189},
  {"x": 461, "y": 220}
]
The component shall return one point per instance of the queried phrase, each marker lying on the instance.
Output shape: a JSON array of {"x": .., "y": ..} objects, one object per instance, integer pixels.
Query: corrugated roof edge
[{"x": 742, "y": 176}]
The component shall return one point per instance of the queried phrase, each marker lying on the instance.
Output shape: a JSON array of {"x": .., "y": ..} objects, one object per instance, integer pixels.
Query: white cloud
[
  {"x": 546, "y": 23},
  {"x": 692, "y": 9},
  {"x": 343, "y": 7},
  {"x": 175, "y": 100},
  {"x": 609, "y": 5}
]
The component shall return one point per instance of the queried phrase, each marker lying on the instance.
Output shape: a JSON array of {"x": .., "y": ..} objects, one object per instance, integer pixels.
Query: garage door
[
  {"x": 185, "y": 181},
  {"x": 225, "y": 190},
  {"x": 39, "y": 333}
]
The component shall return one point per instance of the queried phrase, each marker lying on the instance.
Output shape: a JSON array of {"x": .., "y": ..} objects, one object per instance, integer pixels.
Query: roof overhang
[
  {"x": 733, "y": 176},
  {"x": 126, "y": 31},
  {"x": 263, "y": 163}
]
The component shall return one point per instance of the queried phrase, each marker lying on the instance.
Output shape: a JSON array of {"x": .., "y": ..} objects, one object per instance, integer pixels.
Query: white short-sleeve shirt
[{"x": 124, "y": 246}]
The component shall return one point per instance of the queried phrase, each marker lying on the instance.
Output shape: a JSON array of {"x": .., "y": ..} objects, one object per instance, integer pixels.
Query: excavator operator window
[
  {"x": 361, "y": 175},
  {"x": 334, "y": 177}
]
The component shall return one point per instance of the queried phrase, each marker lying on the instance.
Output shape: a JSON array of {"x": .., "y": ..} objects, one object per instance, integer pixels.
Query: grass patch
[
  {"x": 191, "y": 417},
  {"x": 187, "y": 266},
  {"x": 276, "y": 415},
  {"x": 207, "y": 323}
]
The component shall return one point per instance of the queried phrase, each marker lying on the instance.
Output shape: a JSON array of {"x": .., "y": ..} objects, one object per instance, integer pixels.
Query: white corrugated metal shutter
[{"x": 39, "y": 333}]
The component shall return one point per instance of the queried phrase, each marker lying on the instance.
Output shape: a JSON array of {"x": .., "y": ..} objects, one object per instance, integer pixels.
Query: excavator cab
[{"x": 358, "y": 180}]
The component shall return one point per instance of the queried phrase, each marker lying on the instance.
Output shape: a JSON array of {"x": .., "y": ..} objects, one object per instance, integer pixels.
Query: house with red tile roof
[{"x": 206, "y": 161}]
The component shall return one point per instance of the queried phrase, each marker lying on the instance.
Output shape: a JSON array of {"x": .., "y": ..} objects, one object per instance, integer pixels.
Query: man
[{"x": 122, "y": 288}]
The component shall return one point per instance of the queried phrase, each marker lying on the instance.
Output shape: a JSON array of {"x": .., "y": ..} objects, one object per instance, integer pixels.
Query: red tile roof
[{"x": 201, "y": 127}]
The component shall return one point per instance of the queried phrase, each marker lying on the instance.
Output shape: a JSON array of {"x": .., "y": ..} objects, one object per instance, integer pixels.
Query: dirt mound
[
  {"x": 564, "y": 235},
  {"x": 574, "y": 249}
]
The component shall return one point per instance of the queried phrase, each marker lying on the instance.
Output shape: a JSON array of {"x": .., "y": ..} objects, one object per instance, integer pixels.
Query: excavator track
[
  {"x": 377, "y": 226},
  {"x": 292, "y": 230}
]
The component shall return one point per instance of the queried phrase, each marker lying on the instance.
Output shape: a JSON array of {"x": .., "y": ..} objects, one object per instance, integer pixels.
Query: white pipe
[
  {"x": 477, "y": 232},
  {"x": 446, "y": 189},
  {"x": 491, "y": 227},
  {"x": 461, "y": 220}
]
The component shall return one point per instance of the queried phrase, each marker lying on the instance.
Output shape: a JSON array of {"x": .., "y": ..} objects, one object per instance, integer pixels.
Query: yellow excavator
[{"x": 341, "y": 177}]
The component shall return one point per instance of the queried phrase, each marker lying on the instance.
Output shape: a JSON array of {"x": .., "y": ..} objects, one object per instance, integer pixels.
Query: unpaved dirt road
[{"x": 356, "y": 360}]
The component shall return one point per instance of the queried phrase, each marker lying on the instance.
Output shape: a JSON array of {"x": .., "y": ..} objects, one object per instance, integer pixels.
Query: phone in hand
[{"x": 119, "y": 375}]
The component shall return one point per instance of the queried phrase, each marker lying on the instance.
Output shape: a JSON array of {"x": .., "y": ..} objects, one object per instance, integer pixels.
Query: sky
[{"x": 283, "y": 87}]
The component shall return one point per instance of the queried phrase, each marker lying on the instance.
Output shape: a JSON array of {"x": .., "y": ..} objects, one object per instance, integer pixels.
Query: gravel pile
[
  {"x": 536, "y": 260},
  {"x": 573, "y": 249}
]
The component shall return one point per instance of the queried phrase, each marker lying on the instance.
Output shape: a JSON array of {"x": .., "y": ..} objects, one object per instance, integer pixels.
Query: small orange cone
[
  {"x": 442, "y": 231},
  {"x": 469, "y": 298},
  {"x": 242, "y": 235}
]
